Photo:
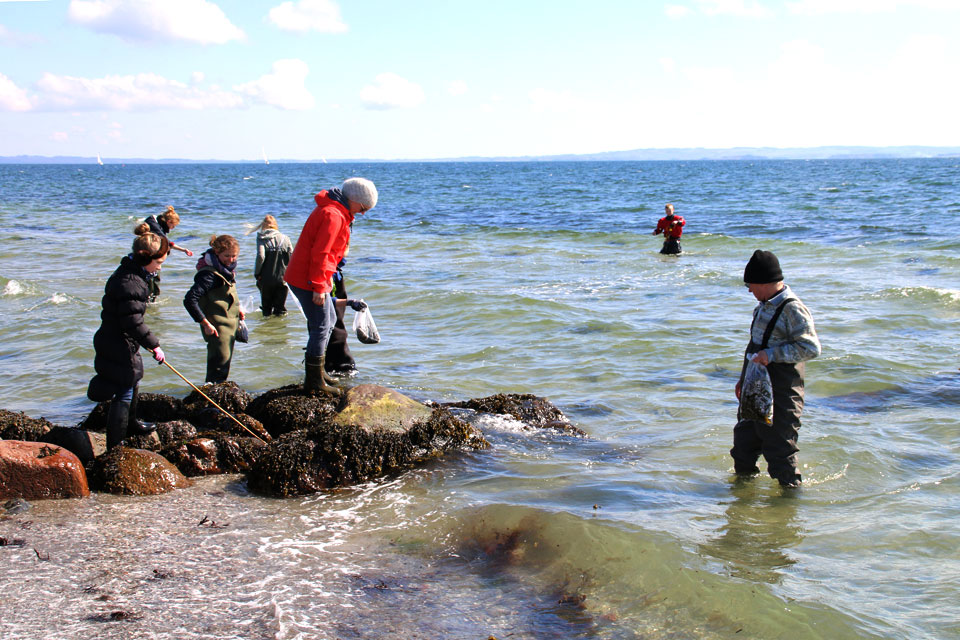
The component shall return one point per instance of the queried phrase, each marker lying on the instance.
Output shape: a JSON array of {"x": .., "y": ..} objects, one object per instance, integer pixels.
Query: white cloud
[
  {"x": 668, "y": 65},
  {"x": 308, "y": 15},
  {"x": 548, "y": 100},
  {"x": 12, "y": 97},
  {"x": 15, "y": 39},
  {"x": 141, "y": 92},
  {"x": 391, "y": 91},
  {"x": 821, "y": 7},
  {"x": 284, "y": 88},
  {"x": 191, "y": 20},
  {"x": 457, "y": 88},
  {"x": 59, "y": 136}
]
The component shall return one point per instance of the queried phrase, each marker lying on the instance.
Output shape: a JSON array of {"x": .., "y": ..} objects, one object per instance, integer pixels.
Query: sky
[{"x": 422, "y": 79}]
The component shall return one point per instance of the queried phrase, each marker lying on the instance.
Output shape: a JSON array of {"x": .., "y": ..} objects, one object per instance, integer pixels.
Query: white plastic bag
[
  {"x": 365, "y": 328},
  {"x": 756, "y": 394}
]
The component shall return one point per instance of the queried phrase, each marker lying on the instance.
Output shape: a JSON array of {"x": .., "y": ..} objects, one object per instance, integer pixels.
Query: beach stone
[
  {"x": 135, "y": 472},
  {"x": 15, "y": 506},
  {"x": 218, "y": 453},
  {"x": 226, "y": 394},
  {"x": 20, "y": 426},
  {"x": 373, "y": 407},
  {"x": 533, "y": 411},
  {"x": 291, "y": 408},
  {"x": 86, "y": 445},
  {"x": 151, "y": 407},
  {"x": 36, "y": 471},
  {"x": 330, "y": 454}
]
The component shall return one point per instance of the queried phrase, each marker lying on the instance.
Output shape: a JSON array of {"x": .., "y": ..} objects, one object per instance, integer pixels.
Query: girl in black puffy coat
[{"x": 121, "y": 334}]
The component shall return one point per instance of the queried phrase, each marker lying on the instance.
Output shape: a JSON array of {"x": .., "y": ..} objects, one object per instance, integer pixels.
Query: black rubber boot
[
  {"x": 117, "y": 417},
  {"x": 314, "y": 380},
  {"x": 134, "y": 426}
]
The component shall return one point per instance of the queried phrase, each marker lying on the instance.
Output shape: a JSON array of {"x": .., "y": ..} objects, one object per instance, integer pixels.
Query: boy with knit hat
[{"x": 782, "y": 338}]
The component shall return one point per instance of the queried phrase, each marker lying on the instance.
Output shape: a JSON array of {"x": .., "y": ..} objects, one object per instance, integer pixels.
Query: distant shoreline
[{"x": 636, "y": 155}]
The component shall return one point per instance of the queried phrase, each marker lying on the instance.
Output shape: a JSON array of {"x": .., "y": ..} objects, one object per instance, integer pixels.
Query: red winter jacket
[
  {"x": 671, "y": 227},
  {"x": 321, "y": 246}
]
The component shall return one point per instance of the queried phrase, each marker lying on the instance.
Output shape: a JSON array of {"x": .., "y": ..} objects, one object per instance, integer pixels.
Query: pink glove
[{"x": 158, "y": 355}]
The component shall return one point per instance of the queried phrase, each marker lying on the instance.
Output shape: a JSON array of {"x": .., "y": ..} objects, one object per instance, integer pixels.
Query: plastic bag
[
  {"x": 756, "y": 394},
  {"x": 365, "y": 328},
  {"x": 243, "y": 334}
]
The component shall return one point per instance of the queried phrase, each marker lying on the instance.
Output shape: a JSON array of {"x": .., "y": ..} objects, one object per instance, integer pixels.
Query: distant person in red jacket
[
  {"x": 320, "y": 248},
  {"x": 671, "y": 226}
]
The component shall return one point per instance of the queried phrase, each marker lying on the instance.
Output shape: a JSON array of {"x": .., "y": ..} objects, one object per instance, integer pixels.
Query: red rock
[
  {"x": 36, "y": 470},
  {"x": 135, "y": 472}
]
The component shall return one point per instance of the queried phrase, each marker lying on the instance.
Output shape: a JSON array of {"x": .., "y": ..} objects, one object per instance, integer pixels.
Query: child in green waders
[{"x": 213, "y": 302}]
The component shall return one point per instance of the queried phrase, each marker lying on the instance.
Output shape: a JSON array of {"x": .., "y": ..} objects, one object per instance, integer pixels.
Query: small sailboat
[
  {"x": 99, "y": 161},
  {"x": 264, "y": 152}
]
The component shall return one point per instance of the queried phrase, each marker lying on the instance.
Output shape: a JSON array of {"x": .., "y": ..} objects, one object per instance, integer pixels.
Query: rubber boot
[
  {"x": 134, "y": 426},
  {"x": 314, "y": 380},
  {"x": 117, "y": 417}
]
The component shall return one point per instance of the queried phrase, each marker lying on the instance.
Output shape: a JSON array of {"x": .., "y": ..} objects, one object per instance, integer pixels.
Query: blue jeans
[{"x": 320, "y": 320}]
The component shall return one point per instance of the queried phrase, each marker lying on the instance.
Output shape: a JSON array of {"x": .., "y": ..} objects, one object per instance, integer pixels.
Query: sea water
[{"x": 538, "y": 278}]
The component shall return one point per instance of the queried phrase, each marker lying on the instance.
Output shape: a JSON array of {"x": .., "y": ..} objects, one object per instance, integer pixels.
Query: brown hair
[
  {"x": 223, "y": 243},
  {"x": 169, "y": 216},
  {"x": 148, "y": 247}
]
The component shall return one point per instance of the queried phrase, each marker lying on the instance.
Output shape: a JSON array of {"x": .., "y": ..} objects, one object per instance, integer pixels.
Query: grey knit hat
[{"x": 361, "y": 191}]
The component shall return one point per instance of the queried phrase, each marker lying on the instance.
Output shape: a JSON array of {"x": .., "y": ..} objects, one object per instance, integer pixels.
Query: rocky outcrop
[
  {"x": 20, "y": 426},
  {"x": 135, "y": 472},
  {"x": 35, "y": 470},
  {"x": 151, "y": 407},
  {"x": 385, "y": 432}
]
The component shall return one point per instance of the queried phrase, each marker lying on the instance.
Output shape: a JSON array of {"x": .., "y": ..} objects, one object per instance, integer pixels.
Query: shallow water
[{"x": 523, "y": 278}]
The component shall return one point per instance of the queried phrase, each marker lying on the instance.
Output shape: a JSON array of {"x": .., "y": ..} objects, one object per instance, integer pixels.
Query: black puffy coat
[{"x": 122, "y": 330}]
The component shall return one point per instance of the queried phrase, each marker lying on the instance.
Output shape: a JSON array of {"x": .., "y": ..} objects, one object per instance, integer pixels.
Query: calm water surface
[{"x": 522, "y": 278}]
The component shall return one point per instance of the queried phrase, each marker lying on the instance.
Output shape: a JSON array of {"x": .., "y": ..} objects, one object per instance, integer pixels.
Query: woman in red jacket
[{"x": 320, "y": 247}]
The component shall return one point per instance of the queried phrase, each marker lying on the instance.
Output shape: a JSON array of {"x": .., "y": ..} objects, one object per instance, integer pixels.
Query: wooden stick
[{"x": 225, "y": 412}]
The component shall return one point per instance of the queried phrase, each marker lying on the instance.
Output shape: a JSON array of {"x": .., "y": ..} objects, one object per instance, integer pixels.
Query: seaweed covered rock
[
  {"x": 226, "y": 394},
  {"x": 151, "y": 407},
  {"x": 35, "y": 470},
  {"x": 529, "y": 409},
  {"x": 175, "y": 432},
  {"x": 20, "y": 426},
  {"x": 135, "y": 472},
  {"x": 86, "y": 445},
  {"x": 213, "y": 420},
  {"x": 214, "y": 453},
  {"x": 337, "y": 455},
  {"x": 373, "y": 407},
  {"x": 290, "y": 408}
]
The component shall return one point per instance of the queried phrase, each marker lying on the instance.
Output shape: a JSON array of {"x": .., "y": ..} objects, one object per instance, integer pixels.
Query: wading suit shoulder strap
[{"x": 773, "y": 323}]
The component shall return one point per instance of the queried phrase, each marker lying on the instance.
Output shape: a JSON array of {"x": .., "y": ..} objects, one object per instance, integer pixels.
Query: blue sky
[{"x": 310, "y": 79}]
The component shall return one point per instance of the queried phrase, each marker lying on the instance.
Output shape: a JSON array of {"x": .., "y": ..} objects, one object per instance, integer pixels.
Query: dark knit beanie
[{"x": 762, "y": 268}]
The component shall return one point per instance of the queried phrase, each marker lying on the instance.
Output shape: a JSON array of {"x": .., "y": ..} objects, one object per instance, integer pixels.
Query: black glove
[{"x": 357, "y": 305}]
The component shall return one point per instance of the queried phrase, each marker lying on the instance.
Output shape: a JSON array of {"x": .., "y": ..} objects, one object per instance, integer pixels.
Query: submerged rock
[
  {"x": 35, "y": 471},
  {"x": 135, "y": 472},
  {"x": 20, "y": 426},
  {"x": 529, "y": 409},
  {"x": 86, "y": 445},
  {"x": 336, "y": 455},
  {"x": 175, "y": 431},
  {"x": 290, "y": 408}
]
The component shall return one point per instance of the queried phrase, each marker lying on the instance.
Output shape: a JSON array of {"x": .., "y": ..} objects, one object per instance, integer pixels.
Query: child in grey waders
[{"x": 273, "y": 255}]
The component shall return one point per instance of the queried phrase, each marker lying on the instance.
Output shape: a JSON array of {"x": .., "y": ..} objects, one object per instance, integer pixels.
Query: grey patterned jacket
[{"x": 794, "y": 338}]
